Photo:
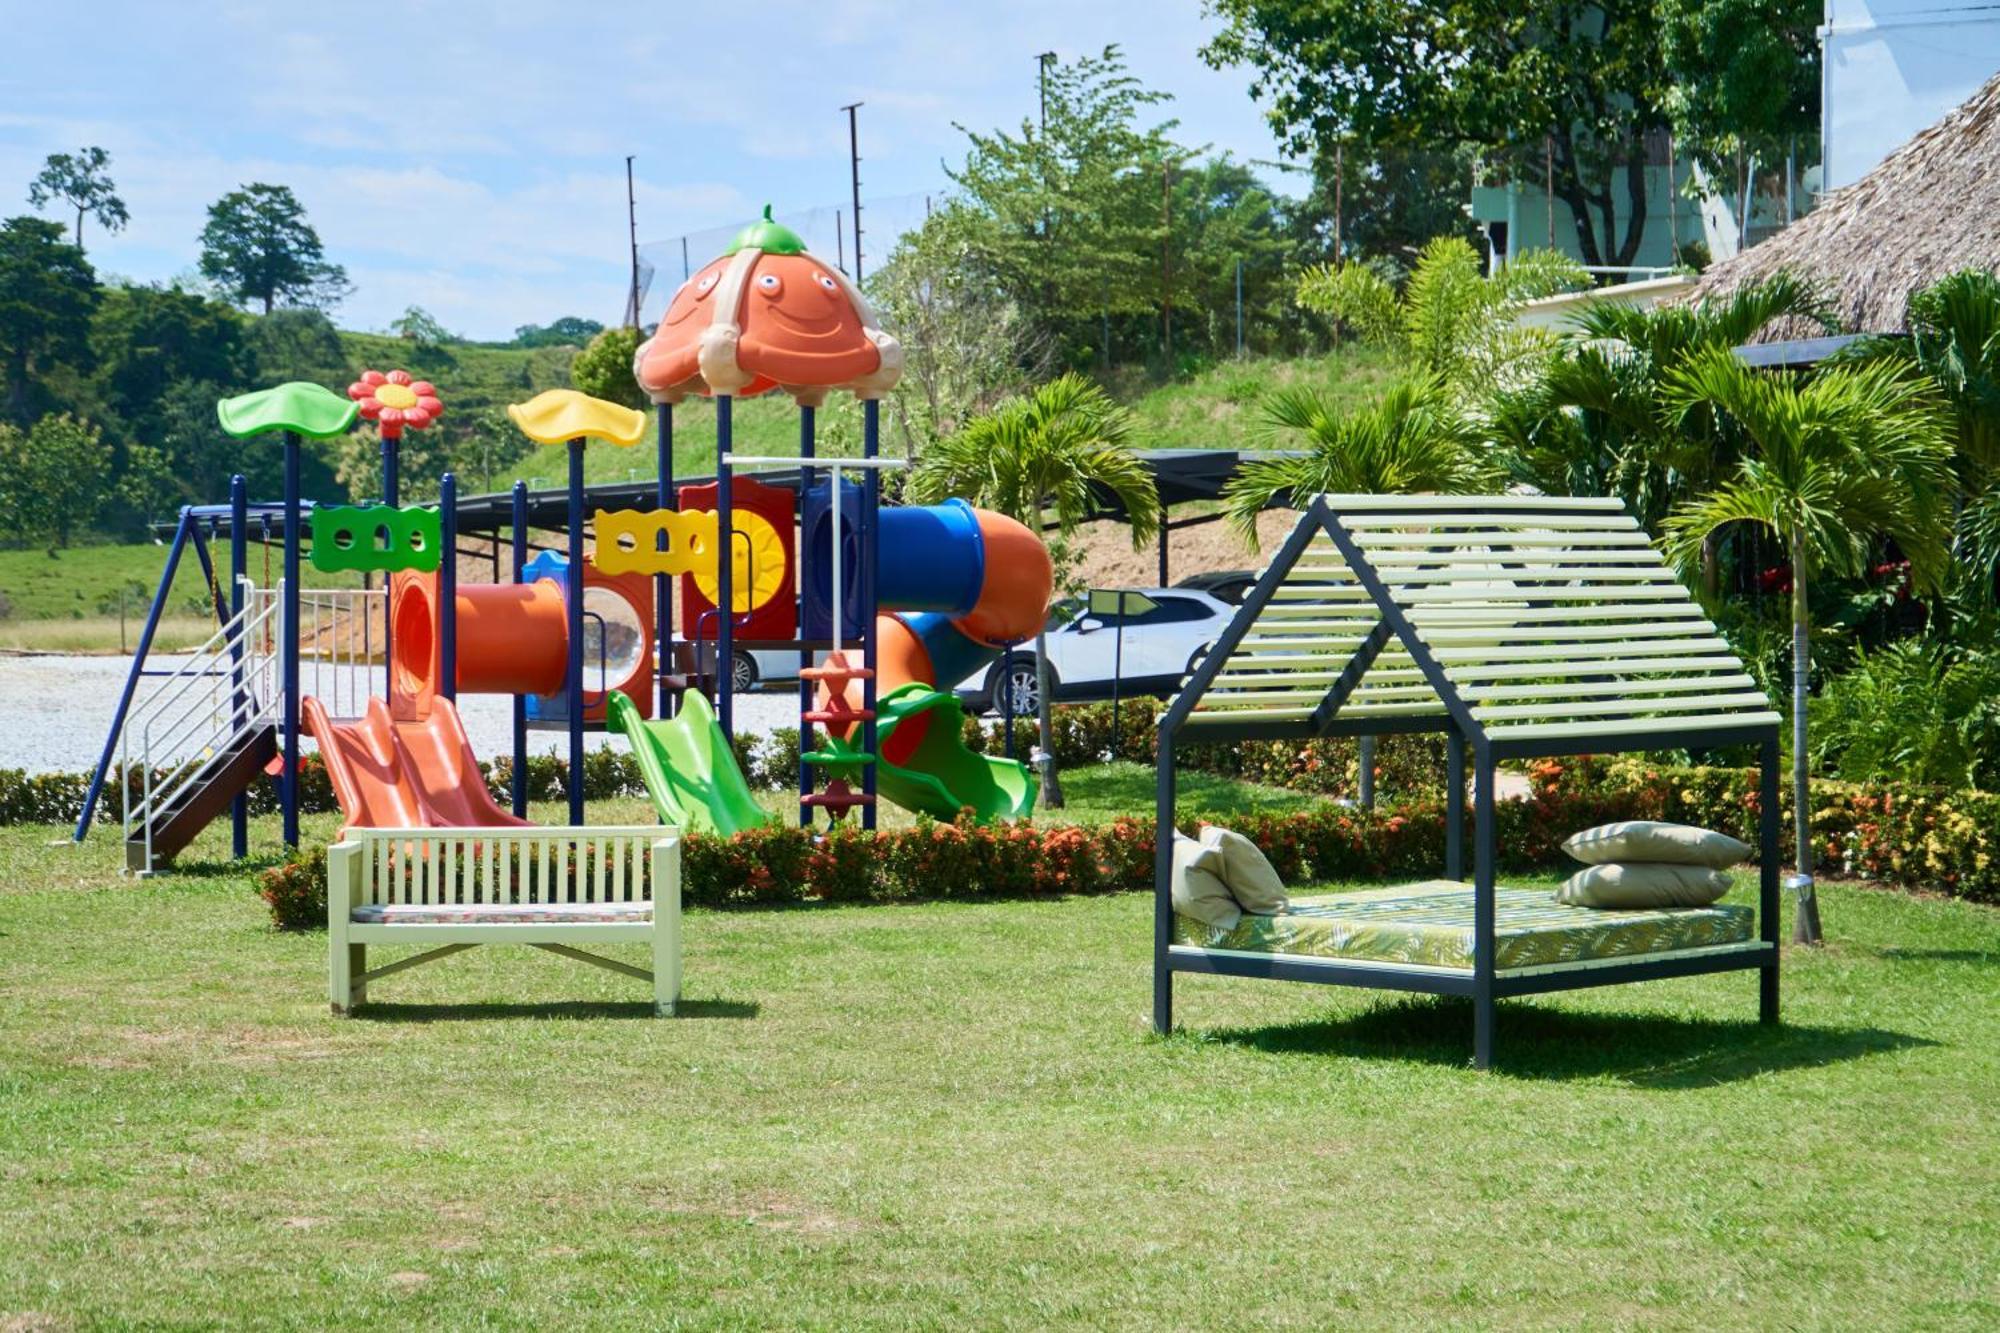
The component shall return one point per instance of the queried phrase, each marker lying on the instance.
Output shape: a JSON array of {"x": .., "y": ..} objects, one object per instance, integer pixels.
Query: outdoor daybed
[{"x": 1518, "y": 626}]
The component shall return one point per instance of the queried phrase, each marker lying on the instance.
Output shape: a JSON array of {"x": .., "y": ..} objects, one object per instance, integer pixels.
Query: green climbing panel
[{"x": 381, "y": 538}]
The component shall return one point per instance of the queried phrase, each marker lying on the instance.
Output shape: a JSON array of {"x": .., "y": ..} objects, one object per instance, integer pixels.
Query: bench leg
[
  {"x": 345, "y": 962},
  {"x": 357, "y": 966},
  {"x": 666, "y": 968}
]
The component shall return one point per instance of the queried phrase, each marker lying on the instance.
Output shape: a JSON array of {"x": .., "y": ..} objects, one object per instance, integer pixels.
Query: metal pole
[
  {"x": 807, "y": 447},
  {"x": 663, "y": 585},
  {"x": 448, "y": 587},
  {"x": 686, "y": 272},
  {"x": 574, "y": 580},
  {"x": 854, "y": 175},
  {"x": 871, "y": 501},
  {"x": 1163, "y": 869},
  {"x": 1454, "y": 807},
  {"x": 1163, "y": 547},
  {"x": 391, "y": 485},
  {"x": 1117, "y": 668},
  {"x": 1239, "y": 310},
  {"x": 289, "y": 788},
  {"x": 239, "y": 517},
  {"x": 1483, "y": 895},
  {"x": 1366, "y": 777},
  {"x": 520, "y": 534},
  {"x": 1167, "y": 264},
  {"x": 725, "y": 571},
  {"x": 632, "y": 225}
]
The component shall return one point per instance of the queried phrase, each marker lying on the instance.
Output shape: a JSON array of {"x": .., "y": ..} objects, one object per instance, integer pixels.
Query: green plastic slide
[
  {"x": 936, "y": 775},
  {"x": 689, "y": 768}
]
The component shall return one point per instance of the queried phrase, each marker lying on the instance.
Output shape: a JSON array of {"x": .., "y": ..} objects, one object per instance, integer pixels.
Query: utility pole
[
  {"x": 686, "y": 272},
  {"x": 1042, "y": 63},
  {"x": 1167, "y": 263},
  {"x": 1339, "y": 182},
  {"x": 632, "y": 225},
  {"x": 854, "y": 176}
]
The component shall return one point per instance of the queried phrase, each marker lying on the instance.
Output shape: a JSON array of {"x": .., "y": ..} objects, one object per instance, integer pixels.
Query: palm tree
[
  {"x": 1593, "y": 424},
  {"x": 1857, "y": 453},
  {"x": 1414, "y": 439},
  {"x": 1038, "y": 458}
]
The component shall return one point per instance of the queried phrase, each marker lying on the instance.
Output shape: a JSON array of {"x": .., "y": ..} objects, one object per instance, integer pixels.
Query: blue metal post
[
  {"x": 239, "y": 518},
  {"x": 105, "y": 759},
  {"x": 520, "y": 701},
  {"x": 725, "y": 574},
  {"x": 808, "y": 445},
  {"x": 391, "y": 458},
  {"x": 448, "y": 587},
  {"x": 289, "y": 788},
  {"x": 663, "y": 584},
  {"x": 574, "y": 580},
  {"x": 871, "y": 445}
]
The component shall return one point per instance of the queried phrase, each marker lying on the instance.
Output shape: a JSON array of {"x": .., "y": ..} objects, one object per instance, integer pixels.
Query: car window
[{"x": 1173, "y": 610}]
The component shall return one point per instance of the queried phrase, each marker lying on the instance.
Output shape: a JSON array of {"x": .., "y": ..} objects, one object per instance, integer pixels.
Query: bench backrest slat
[{"x": 484, "y": 867}]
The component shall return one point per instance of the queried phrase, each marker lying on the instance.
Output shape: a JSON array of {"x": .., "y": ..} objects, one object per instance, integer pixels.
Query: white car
[{"x": 1165, "y": 633}]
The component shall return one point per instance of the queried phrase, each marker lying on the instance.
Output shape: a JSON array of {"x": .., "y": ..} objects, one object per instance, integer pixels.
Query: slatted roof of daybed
[{"x": 1538, "y": 624}]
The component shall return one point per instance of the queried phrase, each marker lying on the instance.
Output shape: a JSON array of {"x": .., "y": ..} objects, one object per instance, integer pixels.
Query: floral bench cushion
[{"x": 500, "y": 914}]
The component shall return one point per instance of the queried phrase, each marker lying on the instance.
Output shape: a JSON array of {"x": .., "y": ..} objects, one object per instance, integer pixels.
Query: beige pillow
[
  {"x": 1198, "y": 890},
  {"x": 1251, "y": 880},
  {"x": 1662, "y": 844},
  {"x": 1643, "y": 884}
]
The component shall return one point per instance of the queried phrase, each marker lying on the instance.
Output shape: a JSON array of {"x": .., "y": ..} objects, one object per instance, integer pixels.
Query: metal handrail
[{"x": 208, "y": 704}]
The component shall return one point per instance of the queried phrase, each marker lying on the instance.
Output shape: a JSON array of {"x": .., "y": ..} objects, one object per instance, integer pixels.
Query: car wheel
[
  {"x": 1020, "y": 690},
  {"x": 742, "y": 673}
]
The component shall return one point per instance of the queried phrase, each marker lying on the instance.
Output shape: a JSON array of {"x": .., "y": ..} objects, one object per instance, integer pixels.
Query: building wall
[
  {"x": 1893, "y": 68},
  {"x": 1672, "y": 219}
]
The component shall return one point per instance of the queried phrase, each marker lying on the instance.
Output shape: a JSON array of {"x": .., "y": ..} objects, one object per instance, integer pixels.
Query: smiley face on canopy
[{"x": 767, "y": 315}]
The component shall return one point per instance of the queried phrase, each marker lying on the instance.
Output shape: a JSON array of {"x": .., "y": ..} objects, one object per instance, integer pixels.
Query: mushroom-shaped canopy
[
  {"x": 768, "y": 315},
  {"x": 554, "y": 416},
  {"x": 305, "y": 409}
]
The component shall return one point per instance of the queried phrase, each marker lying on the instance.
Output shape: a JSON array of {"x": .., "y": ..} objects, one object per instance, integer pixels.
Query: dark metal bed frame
[{"x": 1483, "y": 983}]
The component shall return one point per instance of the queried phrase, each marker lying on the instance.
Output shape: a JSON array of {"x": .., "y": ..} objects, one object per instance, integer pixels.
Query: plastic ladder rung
[
  {"x": 837, "y": 758},
  {"x": 841, "y": 715},
  {"x": 826, "y": 800},
  {"x": 838, "y": 673}
]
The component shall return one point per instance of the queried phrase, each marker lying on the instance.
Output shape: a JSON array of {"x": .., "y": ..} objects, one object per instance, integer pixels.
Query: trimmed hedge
[{"x": 1930, "y": 840}]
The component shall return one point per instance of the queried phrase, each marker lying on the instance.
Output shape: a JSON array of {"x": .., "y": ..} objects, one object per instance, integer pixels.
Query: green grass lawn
[{"x": 953, "y": 1115}]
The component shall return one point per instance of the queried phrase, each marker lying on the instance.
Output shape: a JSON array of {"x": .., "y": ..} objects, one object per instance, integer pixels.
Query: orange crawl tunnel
[{"x": 513, "y": 638}]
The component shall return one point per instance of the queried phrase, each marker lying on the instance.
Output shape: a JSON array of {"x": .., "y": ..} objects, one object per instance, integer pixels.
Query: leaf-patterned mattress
[{"x": 1430, "y": 925}]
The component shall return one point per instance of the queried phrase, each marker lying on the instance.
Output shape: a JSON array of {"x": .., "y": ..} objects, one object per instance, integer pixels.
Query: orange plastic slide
[{"x": 390, "y": 774}]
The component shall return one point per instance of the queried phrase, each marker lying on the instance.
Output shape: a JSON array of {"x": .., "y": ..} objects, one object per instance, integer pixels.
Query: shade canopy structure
[
  {"x": 1514, "y": 625},
  {"x": 1532, "y": 624}
]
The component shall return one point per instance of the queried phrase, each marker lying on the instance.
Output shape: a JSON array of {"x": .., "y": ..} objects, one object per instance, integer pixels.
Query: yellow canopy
[{"x": 556, "y": 416}]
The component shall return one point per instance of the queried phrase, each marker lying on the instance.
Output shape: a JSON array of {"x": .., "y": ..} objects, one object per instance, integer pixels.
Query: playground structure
[{"x": 885, "y": 640}]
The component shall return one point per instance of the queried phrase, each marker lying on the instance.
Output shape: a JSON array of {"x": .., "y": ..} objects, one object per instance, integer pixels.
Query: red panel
[{"x": 775, "y": 619}]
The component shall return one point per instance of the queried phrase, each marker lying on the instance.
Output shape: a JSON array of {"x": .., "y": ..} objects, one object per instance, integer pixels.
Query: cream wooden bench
[{"x": 457, "y": 888}]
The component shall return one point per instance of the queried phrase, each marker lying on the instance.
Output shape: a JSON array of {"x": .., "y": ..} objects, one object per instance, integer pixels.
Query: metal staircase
[{"x": 203, "y": 735}]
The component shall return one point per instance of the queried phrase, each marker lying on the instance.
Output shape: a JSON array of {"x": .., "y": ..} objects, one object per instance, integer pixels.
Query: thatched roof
[{"x": 1929, "y": 209}]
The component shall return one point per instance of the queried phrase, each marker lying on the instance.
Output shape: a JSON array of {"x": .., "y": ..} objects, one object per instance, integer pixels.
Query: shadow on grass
[
  {"x": 1896, "y": 955},
  {"x": 392, "y": 1012},
  {"x": 1534, "y": 1041}
]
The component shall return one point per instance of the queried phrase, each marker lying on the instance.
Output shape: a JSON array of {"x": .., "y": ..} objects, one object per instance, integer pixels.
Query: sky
[{"x": 469, "y": 158}]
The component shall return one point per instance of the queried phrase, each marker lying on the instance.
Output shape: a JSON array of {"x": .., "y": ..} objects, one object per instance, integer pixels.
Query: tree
[
  {"x": 53, "y": 478},
  {"x": 569, "y": 331},
  {"x": 79, "y": 179},
  {"x": 1745, "y": 75},
  {"x": 1575, "y": 80},
  {"x": 149, "y": 338},
  {"x": 421, "y": 327},
  {"x": 1036, "y": 458},
  {"x": 47, "y": 294},
  {"x": 604, "y": 369},
  {"x": 298, "y": 344},
  {"x": 1593, "y": 423},
  {"x": 1386, "y": 202},
  {"x": 260, "y": 248},
  {"x": 1456, "y": 324},
  {"x": 1857, "y": 453},
  {"x": 966, "y": 342},
  {"x": 1069, "y": 211},
  {"x": 1414, "y": 440}
]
